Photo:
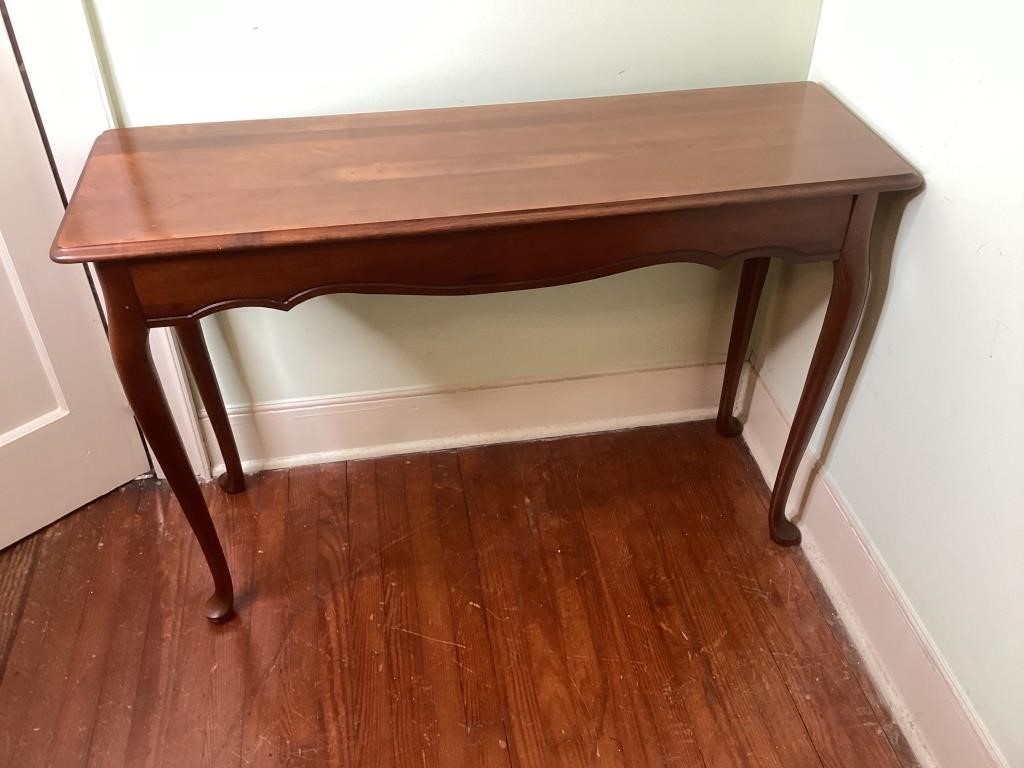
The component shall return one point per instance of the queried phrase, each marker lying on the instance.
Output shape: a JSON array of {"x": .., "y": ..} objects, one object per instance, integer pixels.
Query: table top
[{"x": 170, "y": 190}]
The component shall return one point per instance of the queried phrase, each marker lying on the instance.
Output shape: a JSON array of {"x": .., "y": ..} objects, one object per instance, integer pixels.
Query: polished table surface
[
  {"x": 191, "y": 188},
  {"x": 185, "y": 220}
]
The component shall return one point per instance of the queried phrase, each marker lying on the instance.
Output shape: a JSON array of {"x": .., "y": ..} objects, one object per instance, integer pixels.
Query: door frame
[{"x": 65, "y": 63}]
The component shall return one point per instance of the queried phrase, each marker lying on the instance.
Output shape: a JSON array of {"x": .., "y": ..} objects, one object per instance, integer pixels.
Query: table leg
[
  {"x": 751, "y": 283},
  {"x": 190, "y": 336},
  {"x": 850, "y": 277},
  {"x": 128, "y": 336}
]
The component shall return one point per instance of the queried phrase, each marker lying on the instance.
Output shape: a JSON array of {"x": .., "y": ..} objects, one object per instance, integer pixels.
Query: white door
[{"x": 66, "y": 433}]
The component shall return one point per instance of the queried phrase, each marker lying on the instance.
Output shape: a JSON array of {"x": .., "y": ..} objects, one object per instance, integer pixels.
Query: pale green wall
[
  {"x": 194, "y": 61},
  {"x": 928, "y": 451}
]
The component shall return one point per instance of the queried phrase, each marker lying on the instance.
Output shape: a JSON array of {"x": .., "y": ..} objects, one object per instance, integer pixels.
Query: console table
[{"x": 182, "y": 221}]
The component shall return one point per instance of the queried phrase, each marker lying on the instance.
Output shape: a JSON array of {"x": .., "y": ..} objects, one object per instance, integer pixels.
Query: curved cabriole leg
[
  {"x": 128, "y": 337},
  {"x": 850, "y": 277},
  {"x": 751, "y": 283},
  {"x": 190, "y": 337}
]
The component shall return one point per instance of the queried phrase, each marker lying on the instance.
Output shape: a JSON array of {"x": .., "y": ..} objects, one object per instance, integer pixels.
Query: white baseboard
[
  {"x": 292, "y": 433},
  {"x": 926, "y": 701}
]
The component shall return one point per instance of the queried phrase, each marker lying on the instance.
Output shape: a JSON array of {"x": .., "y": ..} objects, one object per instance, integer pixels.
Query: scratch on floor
[
  {"x": 427, "y": 637},
  {"x": 488, "y": 610}
]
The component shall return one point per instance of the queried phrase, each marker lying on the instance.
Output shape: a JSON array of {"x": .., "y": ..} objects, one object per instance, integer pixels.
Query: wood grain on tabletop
[{"x": 215, "y": 186}]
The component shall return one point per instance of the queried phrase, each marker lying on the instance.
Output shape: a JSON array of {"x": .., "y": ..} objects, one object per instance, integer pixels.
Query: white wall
[
  {"x": 928, "y": 454},
  {"x": 216, "y": 60}
]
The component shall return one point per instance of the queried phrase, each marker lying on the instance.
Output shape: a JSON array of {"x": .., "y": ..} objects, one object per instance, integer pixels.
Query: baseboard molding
[
  {"x": 292, "y": 433},
  {"x": 930, "y": 706}
]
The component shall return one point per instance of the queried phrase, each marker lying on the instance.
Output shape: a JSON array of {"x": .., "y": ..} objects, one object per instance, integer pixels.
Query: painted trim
[
  {"x": 65, "y": 69},
  {"x": 28, "y": 319},
  {"x": 902, "y": 659},
  {"x": 291, "y": 433}
]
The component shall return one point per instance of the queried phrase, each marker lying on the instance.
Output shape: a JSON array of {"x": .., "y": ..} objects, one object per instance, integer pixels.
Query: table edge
[{"x": 222, "y": 243}]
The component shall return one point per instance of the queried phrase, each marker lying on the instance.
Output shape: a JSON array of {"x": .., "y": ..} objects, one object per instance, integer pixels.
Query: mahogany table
[{"x": 182, "y": 221}]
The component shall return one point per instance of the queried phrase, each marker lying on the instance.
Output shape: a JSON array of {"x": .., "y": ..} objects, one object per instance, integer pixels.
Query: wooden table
[{"x": 182, "y": 221}]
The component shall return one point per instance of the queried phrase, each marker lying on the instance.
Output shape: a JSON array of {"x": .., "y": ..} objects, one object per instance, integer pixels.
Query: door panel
[
  {"x": 66, "y": 433},
  {"x": 32, "y": 392}
]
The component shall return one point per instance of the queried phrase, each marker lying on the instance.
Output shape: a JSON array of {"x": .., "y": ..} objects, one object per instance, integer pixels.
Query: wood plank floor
[{"x": 610, "y": 599}]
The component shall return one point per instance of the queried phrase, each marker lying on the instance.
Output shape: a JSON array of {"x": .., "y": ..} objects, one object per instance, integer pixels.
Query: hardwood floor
[{"x": 603, "y": 600}]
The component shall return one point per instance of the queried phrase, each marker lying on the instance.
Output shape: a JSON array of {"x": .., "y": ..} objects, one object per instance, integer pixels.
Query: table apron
[{"x": 511, "y": 257}]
